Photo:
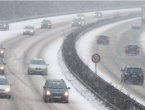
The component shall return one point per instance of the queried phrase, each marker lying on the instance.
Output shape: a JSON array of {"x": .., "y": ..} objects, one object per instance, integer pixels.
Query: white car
[
  {"x": 80, "y": 16},
  {"x": 136, "y": 24},
  {"x": 5, "y": 90},
  {"x": 37, "y": 66},
  {"x": 29, "y": 30}
]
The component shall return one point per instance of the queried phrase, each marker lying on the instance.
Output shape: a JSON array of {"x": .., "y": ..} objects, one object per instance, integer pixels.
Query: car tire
[
  {"x": 28, "y": 72},
  {"x": 66, "y": 101},
  {"x": 8, "y": 97}
]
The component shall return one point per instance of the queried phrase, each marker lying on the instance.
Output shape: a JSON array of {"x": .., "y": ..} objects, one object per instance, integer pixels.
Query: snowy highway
[{"x": 27, "y": 90}]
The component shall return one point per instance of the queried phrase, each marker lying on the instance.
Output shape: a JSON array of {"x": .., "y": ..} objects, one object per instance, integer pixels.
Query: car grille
[
  {"x": 2, "y": 90},
  {"x": 38, "y": 68},
  {"x": 56, "y": 94}
]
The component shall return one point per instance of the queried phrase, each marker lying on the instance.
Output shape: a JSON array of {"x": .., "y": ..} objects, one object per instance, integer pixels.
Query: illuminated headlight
[
  {"x": 7, "y": 89},
  {"x": 66, "y": 94},
  {"x": 79, "y": 22},
  {"x": 48, "y": 24},
  {"x": 2, "y": 51},
  {"x": 82, "y": 17},
  {"x": 4, "y": 25},
  {"x": 24, "y": 30},
  {"x": 48, "y": 93},
  {"x": 1, "y": 67},
  {"x": 72, "y": 22},
  {"x": 32, "y": 31},
  {"x": 99, "y": 15},
  {"x": 94, "y": 14}
]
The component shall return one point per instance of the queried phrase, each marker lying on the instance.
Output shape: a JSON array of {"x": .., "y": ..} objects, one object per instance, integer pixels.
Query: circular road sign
[{"x": 96, "y": 58}]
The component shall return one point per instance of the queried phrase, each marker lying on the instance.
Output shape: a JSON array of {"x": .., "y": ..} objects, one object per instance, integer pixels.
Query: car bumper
[
  {"x": 37, "y": 71},
  {"x": 28, "y": 33},
  {"x": 56, "y": 98},
  {"x": 4, "y": 93},
  {"x": 45, "y": 26}
]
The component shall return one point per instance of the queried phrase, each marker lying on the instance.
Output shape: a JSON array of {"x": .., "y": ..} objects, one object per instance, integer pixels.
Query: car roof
[
  {"x": 133, "y": 67},
  {"x": 56, "y": 80},
  {"x": 29, "y": 26},
  {"x": 3, "y": 77},
  {"x": 132, "y": 45},
  {"x": 37, "y": 59},
  {"x": 103, "y": 36}
]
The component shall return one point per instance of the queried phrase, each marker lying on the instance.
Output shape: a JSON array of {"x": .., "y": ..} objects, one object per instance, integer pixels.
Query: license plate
[
  {"x": 56, "y": 96},
  {"x": 134, "y": 76}
]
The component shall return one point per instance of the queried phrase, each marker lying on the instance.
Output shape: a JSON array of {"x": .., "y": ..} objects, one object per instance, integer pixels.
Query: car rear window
[
  {"x": 132, "y": 46},
  {"x": 134, "y": 70},
  {"x": 104, "y": 37},
  {"x": 56, "y": 85}
]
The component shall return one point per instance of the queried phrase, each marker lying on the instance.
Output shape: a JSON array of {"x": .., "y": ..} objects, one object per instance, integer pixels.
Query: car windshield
[
  {"x": 1, "y": 61},
  {"x": 38, "y": 62},
  {"x": 77, "y": 20},
  {"x": 56, "y": 85},
  {"x": 97, "y": 12},
  {"x": 1, "y": 47},
  {"x": 46, "y": 21},
  {"x": 29, "y": 27},
  {"x": 4, "y": 81},
  {"x": 79, "y": 15},
  {"x": 133, "y": 70},
  {"x": 132, "y": 46}
]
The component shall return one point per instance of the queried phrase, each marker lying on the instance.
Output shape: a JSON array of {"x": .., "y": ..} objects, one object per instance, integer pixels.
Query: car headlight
[
  {"x": 24, "y": 30},
  {"x": 72, "y": 22},
  {"x": 32, "y": 31},
  {"x": 4, "y": 25},
  {"x": 2, "y": 51},
  {"x": 7, "y": 89},
  {"x": 1, "y": 67},
  {"x": 48, "y": 93},
  {"x": 43, "y": 68},
  {"x": 99, "y": 15},
  {"x": 48, "y": 24},
  {"x": 82, "y": 17},
  {"x": 79, "y": 22},
  {"x": 32, "y": 68},
  {"x": 66, "y": 94}
]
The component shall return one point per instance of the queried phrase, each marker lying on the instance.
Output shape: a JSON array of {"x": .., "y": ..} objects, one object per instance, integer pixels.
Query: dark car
[
  {"x": 97, "y": 14},
  {"x": 136, "y": 24},
  {"x": 4, "y": 25},
  {"x": 103, "y": 39},
  {"x": 1, "y": 51},
  {"x": 2, "y": 66},
  {"x": 80, "y": 16},
  {"x": 46, "y": 24},
  {"x": 132, "y": 74},
  {"x": 37, "y": 66},
  {"x": 55, "y": 90},
  {"x": 132, "y": 49},
  {"x": 77, "y": 22}
]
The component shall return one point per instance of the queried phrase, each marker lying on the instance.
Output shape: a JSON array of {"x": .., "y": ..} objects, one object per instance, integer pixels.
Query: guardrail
[
  {"x": 66, "y": 13},
  {"x": 111, "y": 96}
]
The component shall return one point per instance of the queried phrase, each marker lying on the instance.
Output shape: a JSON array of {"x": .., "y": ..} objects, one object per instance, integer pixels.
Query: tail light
[
  {"x": 98, "y": 39},
  {"x": 139, "y": 24},
  {"x": 127, "y": 48},
  {"x": 137, "y": 49},
  {"x": 106, "y": 39},
  {"x": 141, "y": 74},
  {"x": 132, "y": 24},
  {"x": 126, "y": 73}
]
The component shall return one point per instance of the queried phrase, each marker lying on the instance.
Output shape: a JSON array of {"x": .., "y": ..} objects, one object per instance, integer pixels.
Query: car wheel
[
  {"x": 28, "y": 72},
  {"x": 8, "y": 97}
]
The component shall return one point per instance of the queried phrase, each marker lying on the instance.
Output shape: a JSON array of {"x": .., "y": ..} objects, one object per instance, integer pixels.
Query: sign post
[{"x": 96, "y": 58}]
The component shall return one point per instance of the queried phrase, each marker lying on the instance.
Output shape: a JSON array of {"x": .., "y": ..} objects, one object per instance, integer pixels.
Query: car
[
  {"x": 132, "y": 49},
  {"x": 29, "y": 30},
  {"x": 2, "y": 66},
  {"x": 97, "y": 14},
  {"x": 80, "y": 16},
  {"x": 4, "y": 25},
  {"x": 102, "y": 39},
  {"x": 77, "y": 23},
  {"x": 5, "y": 89},
  {"x": 46, "y": 24},
  {"x": 132, "y": 74},
  {"x": 136, "y": 24},
  {"x": 55, "y": 90},
  {"x": 1, "y": 51},
  {"x": 37, "y": 66}
]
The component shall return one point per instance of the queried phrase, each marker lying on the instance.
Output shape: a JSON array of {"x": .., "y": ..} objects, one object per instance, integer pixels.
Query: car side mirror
[
  {"x": 68, "y": 88},
  {"x": 44, "y": 86}
]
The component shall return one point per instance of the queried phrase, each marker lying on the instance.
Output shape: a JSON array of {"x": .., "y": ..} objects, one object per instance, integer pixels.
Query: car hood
[
  {"x": 57, "y": 90},
  {"x": 4, "y": 86},
  {"x": 37, "y": 66}
]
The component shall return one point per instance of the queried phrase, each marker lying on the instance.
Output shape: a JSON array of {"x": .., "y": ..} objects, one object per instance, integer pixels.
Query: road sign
[{"x": 96, "y": 58}]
